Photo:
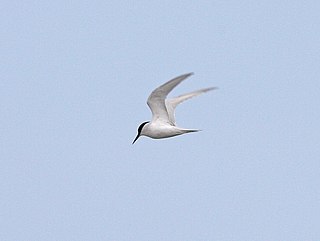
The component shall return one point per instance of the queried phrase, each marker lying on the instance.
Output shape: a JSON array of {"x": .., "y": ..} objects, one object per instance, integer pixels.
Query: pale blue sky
[{"x": 75, "y": 76}]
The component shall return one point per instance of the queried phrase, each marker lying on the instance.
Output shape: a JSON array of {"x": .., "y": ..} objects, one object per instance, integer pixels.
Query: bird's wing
[
  {"x": 156, "y": 100},
  {"x": 171, "y": 104}
]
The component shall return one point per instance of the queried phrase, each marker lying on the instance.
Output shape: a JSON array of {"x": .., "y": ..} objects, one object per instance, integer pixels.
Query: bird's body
[
  {"x": 162, "y": 130},
  {"x": 163, "y": 124}
]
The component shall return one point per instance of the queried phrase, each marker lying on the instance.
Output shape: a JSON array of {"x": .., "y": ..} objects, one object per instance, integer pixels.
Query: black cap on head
[{"x": 139, "y": 131}]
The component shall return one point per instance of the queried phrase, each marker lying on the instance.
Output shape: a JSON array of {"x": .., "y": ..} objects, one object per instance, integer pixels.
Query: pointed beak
[{"x": 136, "y": 138}]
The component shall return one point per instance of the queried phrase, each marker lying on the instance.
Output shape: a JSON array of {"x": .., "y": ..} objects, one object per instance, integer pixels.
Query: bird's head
[{"x": 140, "y": 132}]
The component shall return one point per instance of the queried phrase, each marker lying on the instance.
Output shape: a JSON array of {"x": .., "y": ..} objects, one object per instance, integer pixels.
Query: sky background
[{"x": 75, "y": 76}]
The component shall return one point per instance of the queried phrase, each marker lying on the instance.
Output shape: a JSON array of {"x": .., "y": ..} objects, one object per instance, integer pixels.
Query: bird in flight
[{"x": 163, "y": 124}]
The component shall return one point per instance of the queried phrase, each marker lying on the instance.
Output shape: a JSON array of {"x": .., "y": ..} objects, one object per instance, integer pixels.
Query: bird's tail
[{"x": 190, "y": 130}]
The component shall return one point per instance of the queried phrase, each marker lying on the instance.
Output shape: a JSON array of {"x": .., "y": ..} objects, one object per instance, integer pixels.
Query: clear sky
[{"x": 75, "y": 76}]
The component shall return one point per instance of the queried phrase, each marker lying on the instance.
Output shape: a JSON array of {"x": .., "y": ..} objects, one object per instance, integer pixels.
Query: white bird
[{"x": 163, "y": 122}]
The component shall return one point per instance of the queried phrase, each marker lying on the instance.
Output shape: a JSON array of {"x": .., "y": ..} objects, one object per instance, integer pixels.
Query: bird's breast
[{"x": 162, "y": 131}]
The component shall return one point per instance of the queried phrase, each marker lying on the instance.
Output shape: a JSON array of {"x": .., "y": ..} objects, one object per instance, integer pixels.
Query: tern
[{"x": 163, "y": 124}]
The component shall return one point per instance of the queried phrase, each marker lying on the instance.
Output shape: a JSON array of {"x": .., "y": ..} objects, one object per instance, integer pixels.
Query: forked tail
[{"x": 190, "y": 130}]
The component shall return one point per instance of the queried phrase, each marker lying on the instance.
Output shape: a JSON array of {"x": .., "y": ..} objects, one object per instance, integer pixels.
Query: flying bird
[{"x": 163, "y": 124}]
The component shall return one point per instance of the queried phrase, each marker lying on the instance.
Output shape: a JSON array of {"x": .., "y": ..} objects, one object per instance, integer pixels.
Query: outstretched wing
[
  {"x": 156, "y": 100},
  {"x": 171, "y": 104}
]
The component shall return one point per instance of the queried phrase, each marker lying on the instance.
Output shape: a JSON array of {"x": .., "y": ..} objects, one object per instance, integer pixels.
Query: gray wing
[
  {"x": 156, "y": 100},
  {"x": 171, "y": 104}
]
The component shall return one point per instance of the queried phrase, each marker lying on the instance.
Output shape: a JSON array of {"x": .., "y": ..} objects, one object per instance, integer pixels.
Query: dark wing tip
[
  {"x": 212, "y": 88},
  {"x": 188, "y": 74}
]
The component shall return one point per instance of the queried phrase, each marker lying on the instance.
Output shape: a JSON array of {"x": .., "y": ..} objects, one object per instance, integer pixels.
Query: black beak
[{"x": 136, "y": 138}]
